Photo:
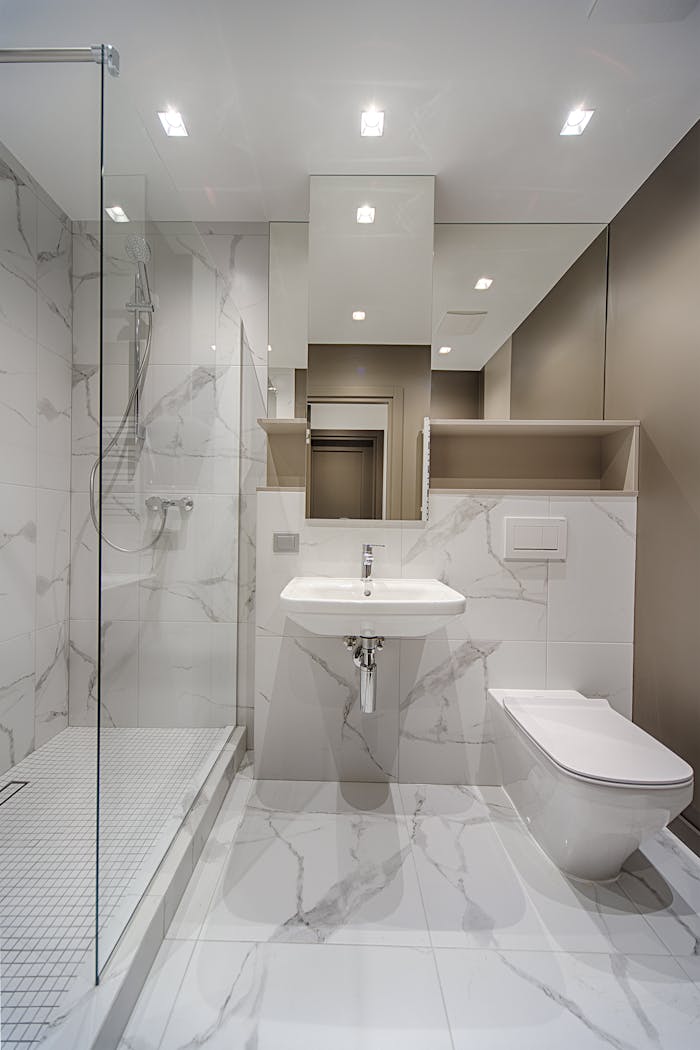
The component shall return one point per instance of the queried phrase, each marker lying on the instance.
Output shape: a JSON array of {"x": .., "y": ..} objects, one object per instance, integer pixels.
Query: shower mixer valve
[{"x": 161, "y": 503}]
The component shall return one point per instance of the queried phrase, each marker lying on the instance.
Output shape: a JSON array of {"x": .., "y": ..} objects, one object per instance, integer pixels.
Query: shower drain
[{"x": 11, "y": 788}]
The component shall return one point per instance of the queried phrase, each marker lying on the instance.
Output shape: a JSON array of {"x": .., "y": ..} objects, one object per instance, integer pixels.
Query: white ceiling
[{"x": 475, "y": 92}]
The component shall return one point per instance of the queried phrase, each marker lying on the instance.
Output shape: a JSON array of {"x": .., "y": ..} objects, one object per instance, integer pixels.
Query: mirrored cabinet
[{"x": 407, "y": 355}]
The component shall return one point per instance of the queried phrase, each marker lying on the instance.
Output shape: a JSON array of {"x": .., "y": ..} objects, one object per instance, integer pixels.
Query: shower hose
[{"x": 105, "y": 452}]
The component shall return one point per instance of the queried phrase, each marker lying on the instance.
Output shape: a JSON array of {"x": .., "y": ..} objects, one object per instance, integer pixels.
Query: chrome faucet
[{"x": 367, "y": 561}]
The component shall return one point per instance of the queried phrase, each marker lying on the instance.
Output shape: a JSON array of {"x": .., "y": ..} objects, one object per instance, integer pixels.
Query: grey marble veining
[
  {"x": 316, "y": 926},
  {"x": 16, "y": 700},
  {"x": 35, "y": 450},
  {"x": 526, "y": 625},
  {"x": 335, "y": 740}
]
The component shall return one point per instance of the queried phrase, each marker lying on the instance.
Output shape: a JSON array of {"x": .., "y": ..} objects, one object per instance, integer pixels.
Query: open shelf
[
  {"x": 286, "y": 452},
  {"x": 543, "y": 456},
  {"x": 283, "y": 426}
]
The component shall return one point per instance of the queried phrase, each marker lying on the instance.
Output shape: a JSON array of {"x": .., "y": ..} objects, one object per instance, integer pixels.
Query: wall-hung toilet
[{"x": 589, "y": 784}]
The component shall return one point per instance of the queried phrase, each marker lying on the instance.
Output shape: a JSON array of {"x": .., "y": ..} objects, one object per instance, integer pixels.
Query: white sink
[{"x": 394, "y": 609}]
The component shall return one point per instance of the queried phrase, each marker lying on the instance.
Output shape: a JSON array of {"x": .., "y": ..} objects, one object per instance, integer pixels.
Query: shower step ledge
[{"x": 94, "y": 1017}]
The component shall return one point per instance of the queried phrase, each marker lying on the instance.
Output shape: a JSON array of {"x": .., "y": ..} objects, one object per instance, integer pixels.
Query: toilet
[{"x": 589, "y": 784}]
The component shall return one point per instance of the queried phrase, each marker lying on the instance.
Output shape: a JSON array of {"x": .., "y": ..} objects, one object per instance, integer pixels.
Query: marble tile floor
[
  {"x": 149, "y": 778},
  {"x": 412, "y": 917}
]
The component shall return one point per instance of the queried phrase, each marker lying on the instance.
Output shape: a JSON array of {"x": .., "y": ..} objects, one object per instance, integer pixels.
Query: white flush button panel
[{"x": 535, "y": 539}]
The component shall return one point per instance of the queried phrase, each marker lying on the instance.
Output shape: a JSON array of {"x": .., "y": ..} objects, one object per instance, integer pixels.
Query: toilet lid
[{"x": 588, "y": 738}]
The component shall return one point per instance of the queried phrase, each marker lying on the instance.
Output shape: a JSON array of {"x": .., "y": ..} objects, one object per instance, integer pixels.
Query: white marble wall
[
  {"x": 35, "y": 384},
  {"x": 241, "y": 255},
  {"x": 528, "y": 625},
  {"x": 170, "y": 613}
]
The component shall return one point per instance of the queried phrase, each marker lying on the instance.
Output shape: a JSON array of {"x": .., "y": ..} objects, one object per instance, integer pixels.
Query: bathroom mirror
[{"x": 461, "y": 321}]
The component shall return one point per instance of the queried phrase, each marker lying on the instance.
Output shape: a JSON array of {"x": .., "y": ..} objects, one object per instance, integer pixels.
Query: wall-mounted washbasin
[{"x": 392, "y": 609}]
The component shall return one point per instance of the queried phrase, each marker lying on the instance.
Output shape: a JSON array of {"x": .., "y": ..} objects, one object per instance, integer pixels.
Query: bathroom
[{"x": 349, "y": 525}]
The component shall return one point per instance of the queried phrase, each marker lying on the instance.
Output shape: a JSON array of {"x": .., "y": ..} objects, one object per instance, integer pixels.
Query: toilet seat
[{"x": 587, "y": 739}]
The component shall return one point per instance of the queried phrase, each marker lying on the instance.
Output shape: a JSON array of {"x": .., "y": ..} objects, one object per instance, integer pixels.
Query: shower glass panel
[
  {"x": 164, "y": 494},
  {"x": 49, "y": 184}
]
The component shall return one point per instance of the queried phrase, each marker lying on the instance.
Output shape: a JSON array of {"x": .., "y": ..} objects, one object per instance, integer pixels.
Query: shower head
[{"x": 137, "y": 248}]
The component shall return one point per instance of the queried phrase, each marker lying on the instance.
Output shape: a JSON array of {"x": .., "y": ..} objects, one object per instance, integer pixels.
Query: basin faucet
[{"x": 367, "y": 560}]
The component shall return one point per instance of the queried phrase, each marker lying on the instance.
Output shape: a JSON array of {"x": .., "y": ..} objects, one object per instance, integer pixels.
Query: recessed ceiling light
[
  {"x": 117, "y": 213},
  {"x": 372, "y": 122},
  {"x": 445, "y": 350},
  {"x": 577, "y": 121},
  {"x": 483, "y": 283},
  {"x": 173, "y": 124},
  {"x": 365, "y": 213},
  {"x": 358, "y": 315}
]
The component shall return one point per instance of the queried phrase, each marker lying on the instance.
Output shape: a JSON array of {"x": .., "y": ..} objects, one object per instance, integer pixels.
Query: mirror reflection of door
[{"x": 346, "y": 474}]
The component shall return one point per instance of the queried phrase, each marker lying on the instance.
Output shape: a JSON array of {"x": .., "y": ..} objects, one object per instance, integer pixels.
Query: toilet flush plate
[{"x": 535, "y": 539}]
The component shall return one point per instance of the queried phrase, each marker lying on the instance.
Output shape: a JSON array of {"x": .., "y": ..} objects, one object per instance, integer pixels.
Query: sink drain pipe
[{"x": 364, "y": 650}]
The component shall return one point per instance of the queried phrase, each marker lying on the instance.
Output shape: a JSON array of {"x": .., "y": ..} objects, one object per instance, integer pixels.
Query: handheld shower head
[{"x": 138, "y": 250}]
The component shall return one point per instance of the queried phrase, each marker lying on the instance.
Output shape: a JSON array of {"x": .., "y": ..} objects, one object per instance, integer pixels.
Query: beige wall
[
  {"x": 653, "y": 373},
  {"x": 455, "y": 395},
  {"x": 497, "y": 383},
  {"x": 558, "y": 353},
  {"x": 337, "y": 371}
]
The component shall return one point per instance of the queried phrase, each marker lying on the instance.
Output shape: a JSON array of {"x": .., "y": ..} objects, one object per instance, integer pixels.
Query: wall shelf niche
[
  {"x": 286, "y": 452},
  {"x": 534, "y": 456}
]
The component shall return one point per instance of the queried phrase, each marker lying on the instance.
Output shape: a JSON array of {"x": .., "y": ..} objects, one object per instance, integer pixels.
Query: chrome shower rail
[{"x": 97, "y": 53}]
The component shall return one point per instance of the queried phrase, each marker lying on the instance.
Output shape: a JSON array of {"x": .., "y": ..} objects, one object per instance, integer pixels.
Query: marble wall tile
[
  {"x": 54, "y": 282},
  {"x": 308, "y": 723},
  {"x": 17, "y": 560},
  {"x": 53, "y": 414},
  {"x": 86, "y": 293},
  {"x": 35, "y": 450},
  {"x": 591, "y": 594},
  {"x": 502, "y": 639},
  {"x": 241, "y": 334},
  {"x": 595, "y": 669},
  {"x": 253, "y": 438},
  {"x": 324, "y": 550},
  {"x": 119, "y": 583},
  {"x": 119, "y": 693},
  {"x": 246, "y": 665},
  {"x": 191, "y": 418},
  {"x": 174, "y": 606},
  {"x": 185, "y": 281},
  {"x": 463, "y": 545},
  {"x": 85, "y": 401},
  {"x": 51, "y": 683},
  {"x": 192, "y": 572},
  {"x": 18, "y": 218},
  {"x": 52, "y": 556},
  {"x": 245, "y": 716},
  {"x": 446, "y": 736},
  {"x": 82, "y": 672},
  {"x": 18, "y": 356},
  {"x": 247, "y": 520},
  {"x": 120, "y": 671},
  {"x": 187, "y": 674},
  {"x": 16, "y": 700}
]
